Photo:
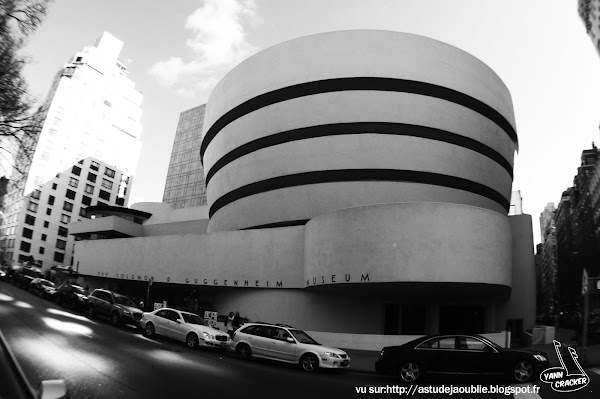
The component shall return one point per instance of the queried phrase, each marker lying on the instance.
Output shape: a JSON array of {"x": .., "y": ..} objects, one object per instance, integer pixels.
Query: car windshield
[
  {"x": 490, "y": 343},
  {"x": 193, "y": 319},
  {"x": 303, "y": 337},
  {"x": 123, "y": 300}
]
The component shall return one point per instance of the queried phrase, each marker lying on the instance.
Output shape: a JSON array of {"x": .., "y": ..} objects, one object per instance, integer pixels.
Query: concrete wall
[
  {"x": 381, "y": 131},
  {"x": 425, "y": 242},
  {"x": 305, "y": 310},
  {"x": 257, "y": 258},
  {"x": 522, "y": 302}
]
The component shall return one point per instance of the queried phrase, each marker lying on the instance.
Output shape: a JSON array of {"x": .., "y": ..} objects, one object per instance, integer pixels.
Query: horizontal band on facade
[
  {"x": 356, "y": 83},
  {"x": 358, "y": 175},
  {"x": 353, "y": 128},
  {"x": 288, "y": 223}
]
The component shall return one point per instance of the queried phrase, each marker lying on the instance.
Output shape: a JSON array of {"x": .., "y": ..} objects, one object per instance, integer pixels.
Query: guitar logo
[{"x": 560, "y": 378}]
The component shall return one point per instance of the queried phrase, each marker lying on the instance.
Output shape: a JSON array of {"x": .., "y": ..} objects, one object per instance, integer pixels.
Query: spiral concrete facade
[
  {"x": 361, "y": 174},
  {"x": 355, "y": 118}
]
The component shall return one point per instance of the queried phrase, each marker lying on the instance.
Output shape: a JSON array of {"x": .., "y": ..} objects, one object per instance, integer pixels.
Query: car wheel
[
  {"x": 91, "y": 312},
  {"x": 115, "y": 319},
  {"x": 523, "y": 371},
  {"x": 309, "y": 362},
  {"x": 410, "y": 372},
  {"x": 192, "y": 341},
  {"x": 149, "y": 330},
  {"x": 243, "y": 351}
]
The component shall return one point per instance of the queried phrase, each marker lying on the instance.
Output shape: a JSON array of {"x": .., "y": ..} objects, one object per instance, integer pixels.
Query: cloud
[{"x": 217, "y": 43}]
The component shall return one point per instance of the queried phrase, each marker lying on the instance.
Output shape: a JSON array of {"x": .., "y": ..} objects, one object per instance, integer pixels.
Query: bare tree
[{"x": 20, "y": 124}]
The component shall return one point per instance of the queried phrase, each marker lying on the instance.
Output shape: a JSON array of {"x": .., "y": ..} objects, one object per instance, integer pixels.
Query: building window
[
  {"x": 27, "y": 233},
  {"x": 33, "y": 207},
  {"x": 73, "y": 182},
  {"x": 105, "y": 195},
  {"x": 100, "y": 203},
  {"x": 92, "y": 177},
  {"x": 89, "y": 189},
  {"x": 59, "y": 257},
  {"x": 70, "y": 194},
  {"x": 30, "y": 220},
  {"x": 51, "y": 200},
  {"x": 36, "y": 194},
  {"x": 42, "y": 250},
  {"x": 25, "y": 246},
  {"x": 66, "y": 219},
  {"x": 61, "y": 244},
  {"x": 85, "y": 200},
  {"x": 63, "y": 231},
  {"x": 49, "y": 211},
  {"x": 95, "y": 166},
  {"x": 67, "y": 206},
  {"x": 44, "y": 236},
  {"x": 109, "y": 172},
  {"x": 76, "y": 170},
  {"x": 53, "y": 186},
  {"x": 107, "y": 184},
  {"x": 46, "y": 224},
  {"x": 120, "y": 201},
  {"x": 82, "y": 212}
]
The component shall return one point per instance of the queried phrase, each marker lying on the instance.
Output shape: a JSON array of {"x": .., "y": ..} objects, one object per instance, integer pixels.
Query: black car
[
  {"x": 460, "y": 354},
  {"x": 71, "y": 295},
  {"x": 24, "y": 275}
]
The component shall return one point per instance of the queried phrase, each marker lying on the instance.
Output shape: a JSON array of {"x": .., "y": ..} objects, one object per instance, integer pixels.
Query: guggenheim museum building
[{"x": 359, "y": 184}]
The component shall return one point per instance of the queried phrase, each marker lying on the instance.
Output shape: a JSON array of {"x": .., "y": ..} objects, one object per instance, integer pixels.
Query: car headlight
[
  {"x": 541, "y": 358},
  {"x": 331, "y": 354},
  {"x": 208, "y": 336},
  {"x": 126, "y": 312}
]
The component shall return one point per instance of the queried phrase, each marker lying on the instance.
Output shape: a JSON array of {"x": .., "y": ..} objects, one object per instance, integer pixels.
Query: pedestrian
[
  {"x": 236, "y": 321},
  {"x": 229, "y": 324},
  {"x": 142, "y": 305}
]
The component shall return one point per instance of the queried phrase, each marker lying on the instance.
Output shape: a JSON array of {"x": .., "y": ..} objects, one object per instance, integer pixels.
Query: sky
[{"x": 177, "y": 51}]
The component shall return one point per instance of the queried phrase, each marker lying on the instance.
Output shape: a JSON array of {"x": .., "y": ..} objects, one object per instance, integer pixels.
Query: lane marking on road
[{"x": 526, "y": 395}]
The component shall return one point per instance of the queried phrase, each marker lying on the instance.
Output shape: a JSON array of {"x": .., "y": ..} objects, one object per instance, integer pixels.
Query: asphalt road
[{"x": 98, "y": 360}]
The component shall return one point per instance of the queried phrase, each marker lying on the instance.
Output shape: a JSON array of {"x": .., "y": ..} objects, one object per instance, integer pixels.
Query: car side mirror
[
  {"x": 53, "y": 389},
  {"x": 290, "y": 340}
]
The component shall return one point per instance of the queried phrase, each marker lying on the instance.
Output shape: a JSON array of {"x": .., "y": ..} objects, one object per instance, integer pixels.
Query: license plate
[{"x": 223, "y": 343}]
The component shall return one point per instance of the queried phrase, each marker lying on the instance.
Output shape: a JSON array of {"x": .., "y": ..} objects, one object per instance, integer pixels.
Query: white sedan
[{"x": 183, "y": 326}]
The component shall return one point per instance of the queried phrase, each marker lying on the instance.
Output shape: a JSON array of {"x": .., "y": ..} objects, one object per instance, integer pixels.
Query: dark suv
[
  {"x": 71, "y": 295},
  {"x": 117, "y": 307},
  {"x": 24, "y": 275}
]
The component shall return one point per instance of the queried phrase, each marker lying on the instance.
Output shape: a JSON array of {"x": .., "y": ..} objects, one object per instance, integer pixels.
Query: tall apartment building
[
  {"x": 37, "y": 225},
  {"x": 93, "y": 113},
  {"x": 576, "y": 242},
  {"x": 547, "y": 276},
  {"x": 589, "y": 11},
  {"x": 185, "y": 186}
]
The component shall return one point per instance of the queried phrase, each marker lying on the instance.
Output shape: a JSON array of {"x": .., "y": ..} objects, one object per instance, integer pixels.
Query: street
[{"x": 98, "y": 360}]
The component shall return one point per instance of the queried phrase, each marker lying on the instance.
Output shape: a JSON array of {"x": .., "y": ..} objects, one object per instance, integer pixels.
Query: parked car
[
  {"x": 3, "y": 275},
  {"x": 286, "y": 344},
  {"x": 15, "y": 385},
  {"x": 460, "y": 354},
  {"x": 70, "y": 295},
  {"x": 117, "y": 307},
  {"x": 41, "y": 286},
  {"x": 23, "y": 276},
  {"x": 183, "y": 326}
]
